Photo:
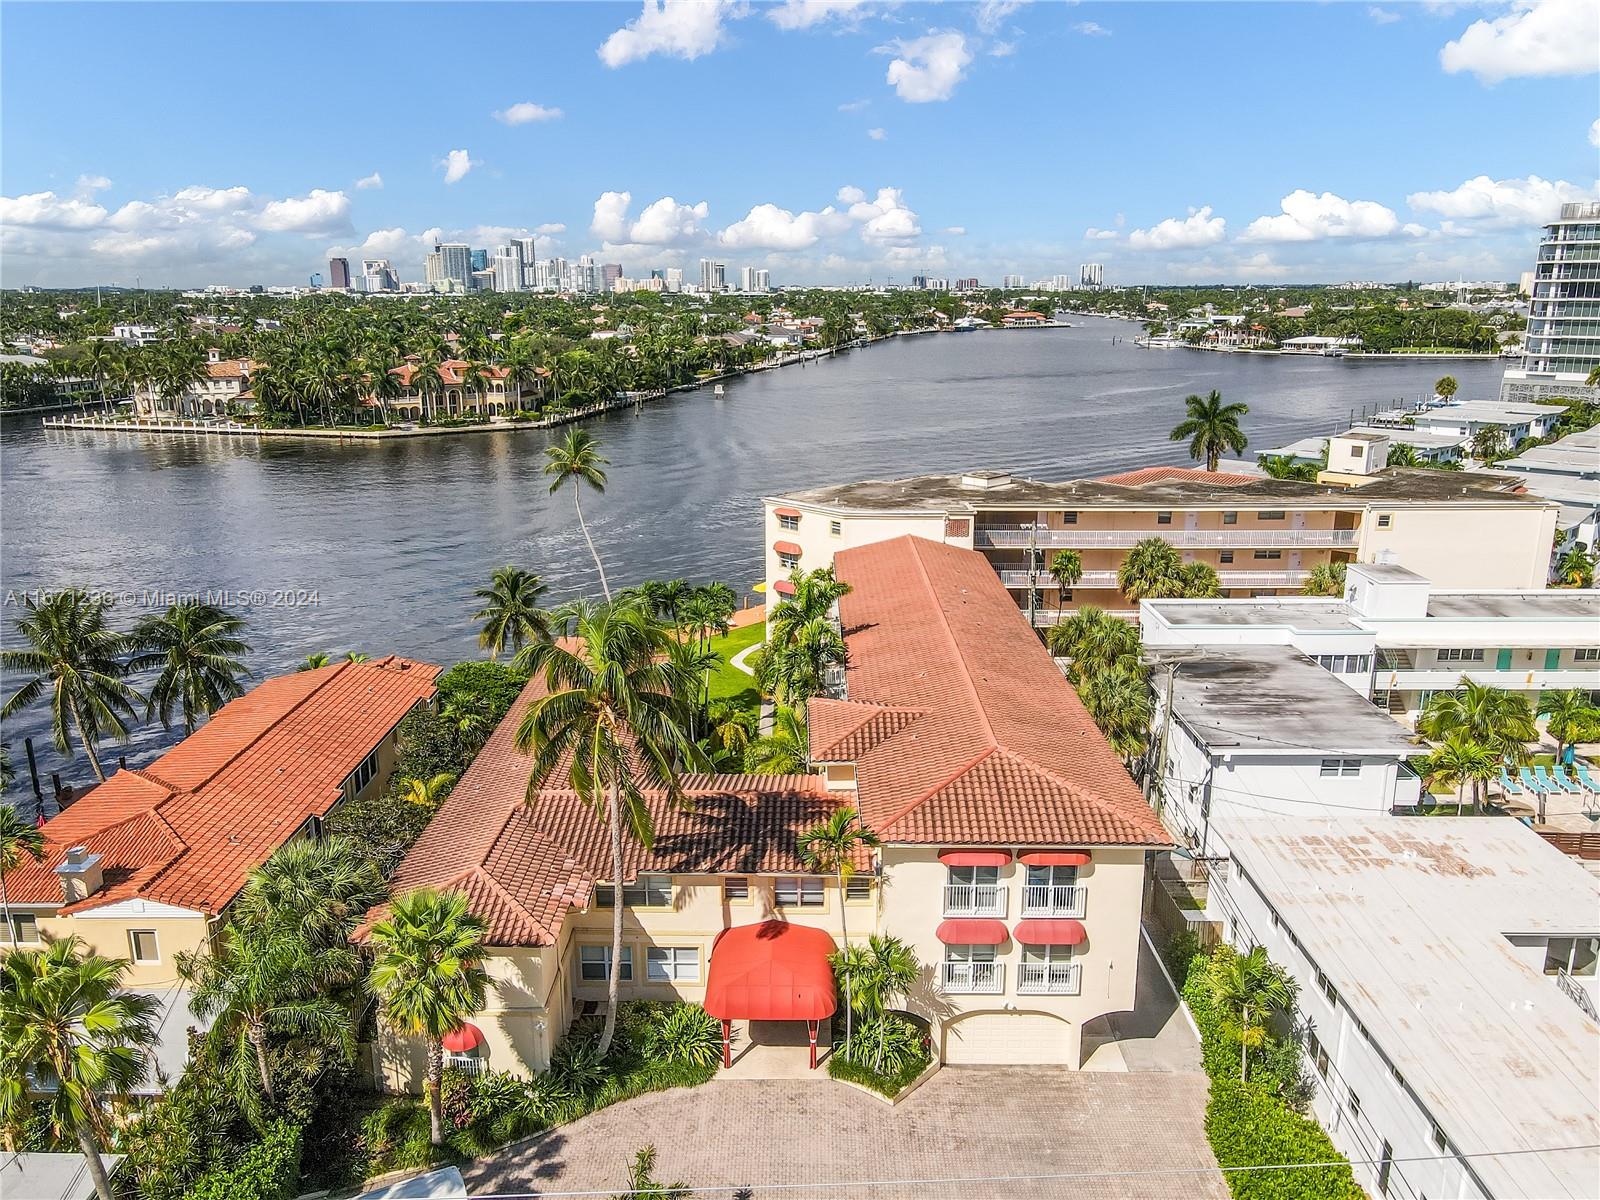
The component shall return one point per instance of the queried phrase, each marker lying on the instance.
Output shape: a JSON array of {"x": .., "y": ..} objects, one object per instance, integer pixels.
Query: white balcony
[
  {"x": 1246, "y": 536},
  {"x": 1446, "y": 676},
  {"x": 974, "y": 978},
  {"x": 1054, "y": 900},
  {"x": 974, "y": 900},
  {"x": 1051, "y": 979},
  {"x": 1108, "y": 579}
]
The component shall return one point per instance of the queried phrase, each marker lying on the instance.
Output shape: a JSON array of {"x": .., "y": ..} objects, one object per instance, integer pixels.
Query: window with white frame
[
  {"x": 1574, "y": 955},
  {"x": 835, "y": 528},
  {"x": 25, "y": 927},
  {"x": 969, "y": 954},
  {"x": 143, "y": 946},
  {"x": 1040, "y": 955},
  {"x": 647, "y": 891},
  {"x": 672, "y": 964},
  {"x": 1333, "y": 767},
  {"x": 858, "y": 888},
  {"x": 1461, "y": 654},
  {"x": 594, "y": 964},
  {"x": 974, "y": 876},
  {"x": 1268, "y": 555},
  {"x": 789, "y": 562},
  {"x": 787, "y": 522},
  {"x": 1586, "y": 654},
  {"x": 798, "y": 891}
]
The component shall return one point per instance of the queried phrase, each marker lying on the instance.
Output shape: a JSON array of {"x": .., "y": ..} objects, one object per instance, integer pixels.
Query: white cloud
[
  {"x": 213, "y": 200},
  {"x": 854, "y": 105},
  {"x": 1091, "y": 29},
  {"x": 610, "y": 223},
  {"x": 1092, "y": 234},
  {"x": 456, "y": 164},
  {"x": 525, "y": 113},
  {"x": 88, "y": 185},
  {"x": 318, "y": 211},
  {"x": 1537, "y": 37},
  {"x": 1382, "y": 16},
  {"x": 678, "y": 28},
  {"x": 46, "y": 210},
  {"x": 373, "y": 182},
  {"x": 1200, "y": 228},
  {"x": 1594, "y": 133},
  {"x": 1307, "y": 217},
  {"x": 885, "y": 224},
  {"x": 928, "y": 68},
  {"x": 877, "y": 135},
  {"x": 803, "y": 14},
  {"x": 664, "y": 223},
  {"x": 885, "y": 218},
  {"x": 1501, "y": 202},
  {"x": 1002, "y": 49},
  {"x": 954, "y": 231},
  {"x": 768, "y": 227},
  {"x": 550, "y": 229},
  {"x": 992, "y": 14}
]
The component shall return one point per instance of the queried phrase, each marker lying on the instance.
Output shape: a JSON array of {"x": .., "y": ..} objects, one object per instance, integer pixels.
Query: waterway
[{"x": 378, "y": 547}]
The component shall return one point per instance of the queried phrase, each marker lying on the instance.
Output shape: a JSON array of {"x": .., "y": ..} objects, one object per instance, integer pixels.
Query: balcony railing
[
  {"x": 982, "y": 978},
  {"x": 1055, "y": 979},
  {"x": 466, "y": 1063},
  {"x": 1576, "y": 993},
  {"x": 1054, "y": 900},
  {"x": 974, "y": 900},
  {"x": 1016, "y": 537},
  {"x": 1108, "y": 579}
]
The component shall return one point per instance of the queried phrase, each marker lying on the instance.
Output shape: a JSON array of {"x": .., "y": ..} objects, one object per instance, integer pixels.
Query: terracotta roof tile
[{"x": 1144, "y": 475}]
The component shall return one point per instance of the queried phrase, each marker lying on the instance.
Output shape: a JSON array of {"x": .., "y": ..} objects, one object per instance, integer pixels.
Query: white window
[
  {"x": 798, "y": 891},
  {"x": 789, "y": 562},
  {"x": 974, "y": 876},
  {"x": 1269, "y": 555},
  {"x": 1586, "y": 654},
  {"x": 1385, "y": 520},
  {"x": 1046, "y": 954},
  {"x": 1333, "y": 767},
  {"x": 672, "y": 964},
  {"x": 24, "y": 927},
  {"x": 143, "y": 944},
  {"x": 1459, "y": 654},
  {"x": 1270, "y": 514},
  {"x": 647, "y": 891},
  {"x": 788, "y": 522},
  {"x": 362, "y": 775},
  {"x": 969, "y": 954},
  {"x": 736, "y": 888},
  {"x": 594, "y": 964},
  {"x": 1574, "y": 955}
]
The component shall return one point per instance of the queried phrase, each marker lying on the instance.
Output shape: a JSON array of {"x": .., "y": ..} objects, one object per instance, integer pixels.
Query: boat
[{"x": 719, "y": 390}]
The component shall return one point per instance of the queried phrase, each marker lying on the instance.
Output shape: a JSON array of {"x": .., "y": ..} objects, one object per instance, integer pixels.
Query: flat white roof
[{"x": 1409, "y": 918}]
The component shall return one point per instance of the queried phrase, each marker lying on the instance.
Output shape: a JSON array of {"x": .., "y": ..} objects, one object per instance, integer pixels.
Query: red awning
[
  {"x": 463, "y": 1037},
  {"x": 1056, "y": 858},
  {"x": 773, "y": 971},
  {"x": 783, "y": 587},
  {"x": 786, "y": 547},
  {"x": 786, "y": 512},
  {"x": 974, "y": 858},
  {"x": 1053, "y": 932},
  {"x": 971, "y": 931}
]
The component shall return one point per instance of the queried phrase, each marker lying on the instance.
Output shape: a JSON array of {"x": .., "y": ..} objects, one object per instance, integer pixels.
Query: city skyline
[{"x": 821, "y": 142}]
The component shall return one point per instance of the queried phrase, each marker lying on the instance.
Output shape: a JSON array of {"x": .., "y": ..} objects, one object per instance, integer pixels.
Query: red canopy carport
[{"x": 773, "y": 971}]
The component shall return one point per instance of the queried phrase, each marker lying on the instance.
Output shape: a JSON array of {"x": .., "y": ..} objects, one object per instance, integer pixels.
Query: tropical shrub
[
  {"x": 497, "y": 684},
  {"x": 269, "y": 1170},
  {"x": 1248, "y": 1126},
  {"x": 684, "y": 1033},
  {"x": 579, "y": 1066}
]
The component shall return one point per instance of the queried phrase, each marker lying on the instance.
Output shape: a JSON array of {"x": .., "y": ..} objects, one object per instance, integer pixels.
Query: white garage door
[{"x": 996, "y": 1039}]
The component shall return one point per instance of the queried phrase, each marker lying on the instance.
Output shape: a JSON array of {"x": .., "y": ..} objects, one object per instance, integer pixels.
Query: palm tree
[
  {"x": 803, "y": 641},
  {"x": 260, "y": 980},
  {"x": 1325, "y": 579},
  {"x": 1570, "y": 716},
  {"x": 1575, "y": 567},
  {"x": 428, "y": 976},
  {"x": 577, "y": 458},
  {"x": 1286, "y": 466},
  {"x": 196, "y": 647},
  {"x": 1094, "y": 641},
  {"x": 830, "y": 848},
  {"x": 1402, "y": 455},
  {"x": 612, "y": 709},
  {"x": 1488, "y": 444},
  {"x": 1121, "y": 704},
  {"x": 1460, "y": 762},
  {"x": 18, "y": 839},
  {"x": 784, "y": 751},
  {"x": 1152, "y": 569},
  {"x": 100, "y": 362},
  {"x": 314, "y": 662},
  {"x": 1500, "y": 721},
  {"x": 74, "y": 654},
  {"x": 873, "y": 975},
  {"x": 1066, "y": 568},
  {"x": 1445, "y": 387},
  {"x": 1251, "y": 990},
  {"x": 68, "y": 1024},
  {"x": 321, "y": 887},
  {"x": 426, "y": 793},
  {"x": 511, "y": 615},
  {"x": 1211, "y": 427}
]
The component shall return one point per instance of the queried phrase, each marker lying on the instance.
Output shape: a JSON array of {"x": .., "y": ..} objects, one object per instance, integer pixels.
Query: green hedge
[
  {"x": 269, "y": 1170},
  {"x": 891, "y": 1086}
]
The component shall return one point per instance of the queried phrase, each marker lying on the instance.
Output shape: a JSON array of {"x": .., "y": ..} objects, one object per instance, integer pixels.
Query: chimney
[{"x": 80, "y": 875}]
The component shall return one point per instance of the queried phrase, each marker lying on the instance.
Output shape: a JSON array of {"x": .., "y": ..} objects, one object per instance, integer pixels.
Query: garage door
[{"x": 995, "y": 1039}]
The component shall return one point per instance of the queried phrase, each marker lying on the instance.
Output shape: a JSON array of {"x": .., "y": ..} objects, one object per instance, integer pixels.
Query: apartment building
[
  {"x": 1562, "y": 343},
  {"x": 1397, "y": 640},
  {"x": 1013, "y": 852},
  {"x": 1262, "y": 536}
]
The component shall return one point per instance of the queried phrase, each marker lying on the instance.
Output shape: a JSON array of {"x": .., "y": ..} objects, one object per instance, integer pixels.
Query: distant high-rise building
[
  {"x": 480, "y": 260},
  {"x": 1014, "y": 281},
  {"x": 969, "y": 284},
  {"x": 481, "y": 281},
  {"x": 755, "y": 279},
  {"x": 450, "y": 266},
  {"x": 378, "y": 276},
  {"x": 920, "y": 282},
  {"x": 1562, "y": 342},
  {"x": 339, "y": 273},
  {"x": 530, "y": 260},
  {"x": 508, "y": 272},
  {"x": 674, "y": 279},
  {"x": 1091, "y": 275},
  {"x": 713, "y": 275},
  {"x": 609, "y": 274},
  {"x": 586, "y": 275}
]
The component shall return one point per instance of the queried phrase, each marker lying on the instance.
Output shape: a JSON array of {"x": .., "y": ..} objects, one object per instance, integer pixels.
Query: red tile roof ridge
[
  {"x": 956, "y": 655},
  {"x": 935, "y": 789}
]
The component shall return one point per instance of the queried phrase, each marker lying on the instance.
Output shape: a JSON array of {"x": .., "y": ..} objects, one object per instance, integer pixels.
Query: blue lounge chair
[
  {"x": 1531, "y": 783},
  {"x": 1585, "y": 778},
  {"x": 1543, "y": 777},
  {"x": 1563, "y": 781},
  {"x": 1509, "y": 785}
]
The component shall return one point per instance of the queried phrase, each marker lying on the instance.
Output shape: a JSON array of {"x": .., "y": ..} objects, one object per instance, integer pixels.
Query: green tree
[
  {"x": 803, "y": 641},
  {"x": 873, "y": 975},
  {"x": 1251, "y": 990},
  {"x": 576, "y": 458},
  {"x": 1402, "y": 455},
  {"x": 1286, "y": 466},
  {"x": 196, "y": 650},
  {"x": 612, "y": 707},
  {"x": 19, "y": 839},
  {"x": 1445, "y": 387},
  {"x": 511, "y": 616},
  {"x": 1489, "y": 444},
  {"x": 1459, "y": 762},
  {"x": 786, "y": 750},
  {"x": 1120, "y": 702},
  {"x": 1575, "y": 567},
  {"x": 1500, "y": 721},
  {"x": 1571, "y": 716},
  {"x": 68, "y": 1023},
  {"x": 1325, "y": 579},
  {"x": 428, "y": 976},
  {"x": 320, "y": 887},
  {"x": 1066, "y": 568},
  {"x": 427, "y": 793},
  {"x": 314, "y": 662},
  {"x": 643, "y": 1184},
  {"x": 1094, "y": 641},
  {"x": 830, "y": 848},
  {"x": 74, "y": 654},
  {"x": 1211, "y": 428}
]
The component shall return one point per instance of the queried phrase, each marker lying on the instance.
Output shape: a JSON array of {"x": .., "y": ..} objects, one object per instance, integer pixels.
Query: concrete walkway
[
  {"x": 777, "y": 1050},
  {"x": 1156, "y": 1036}
]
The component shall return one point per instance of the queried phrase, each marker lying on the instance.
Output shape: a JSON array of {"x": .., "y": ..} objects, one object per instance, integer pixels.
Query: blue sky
[{"x": 827, "y": 139}]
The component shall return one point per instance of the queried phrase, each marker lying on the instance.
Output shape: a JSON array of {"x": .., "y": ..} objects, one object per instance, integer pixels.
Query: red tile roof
[
  {"x": 187, "y": 829},
  {"x": 1144, "y": 475},
  {"x": 962, "y": 729}
]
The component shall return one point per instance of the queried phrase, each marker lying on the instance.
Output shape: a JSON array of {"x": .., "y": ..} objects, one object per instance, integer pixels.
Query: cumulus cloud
[
  {"x": 373, "y": 182},
  {"x": 929, "y": 68},
  {"x": 550, "y": 229},
  {"x": 1537, "y": 37},
  {"x": 1501, "y": 202},
  {"x": 316, "y": 212},
  {"x": 1594, "y": 133},
  {"x": 46, "y": 210},
  {"x": 877, "y": 135},
  {"x": 456, "y": 164},
  {"x": 884, "y": 218},
  {"x": 1199, "y": 228},
  {"x": 803, "y": 14},
  {"x": 663, "y": 223},
  {"x": 526, "y": 113},
  {"x": 1382, "y": 16},
  {"x": 768, "y": 227},
  {"x": 992, "y": 14},
  {"x": 1091, "y": 29},
  {"x": 677, "y": 28},
  {"x": 88, "y": 185},
  {"x": 1092, "y": 234},
  {"x": 1307, "y": 217}
]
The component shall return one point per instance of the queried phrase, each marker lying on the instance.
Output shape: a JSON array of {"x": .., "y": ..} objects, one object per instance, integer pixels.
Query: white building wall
[{"x": 819, "y": 543}]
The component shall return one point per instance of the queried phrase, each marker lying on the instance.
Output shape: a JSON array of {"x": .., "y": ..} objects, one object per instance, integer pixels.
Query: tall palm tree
[
  {"x": 830, "y": 848},
  {"x": 19, "y": 839},
  {"x": 320, "y": 887},
  {"x": 1325, "y": 579},
  {"x": 100, "y": 362},
  {"x": 75, "y": 655},
  {"x": 784, "y": 751},
  {"x": 803, "y": 640},
  {"x": 577, "y": 458},
  {"x": 1570, "y": 716},
  {"x": 1500, "y": 721},
  {"x": 1094, "y": 641},
  {"x": 511, "y": 615},
  {"x": 611, "y": 714},
  {"x": 68, "y": 1024},
  {"x": 1459, "y": 762},
  {"x": 428, "y": 976},
  {"x": 1251, "y": 990},
  {"x": 1152, "y": 569},
  {"x": 1120, "y": 702},
  {"x": 1211, "y": 427},
  {"x": 197, "y": 648},
  {"x": 873, "y": 975},
  {"x": 1066, "y": 568}
]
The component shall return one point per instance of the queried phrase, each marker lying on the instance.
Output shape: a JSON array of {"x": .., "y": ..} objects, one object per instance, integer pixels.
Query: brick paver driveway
[{"x": 788, "y": 1140}]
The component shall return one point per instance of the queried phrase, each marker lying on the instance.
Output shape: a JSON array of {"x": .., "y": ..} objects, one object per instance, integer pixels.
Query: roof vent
[
  {"x": 80, "y": 875},
  {"x": 983, "y": 480}
]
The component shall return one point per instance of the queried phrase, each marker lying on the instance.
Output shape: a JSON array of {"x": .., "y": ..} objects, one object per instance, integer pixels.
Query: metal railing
[
  {"x": 1054, "y": 900},
  {"x": 466, "y": 1064},
  {"x": 1108, "y": 579},
  {"x": 981, "y": 978},
  {"x": 1056, "y": 979},
  {"x": 1576, "y": 993},
  {"x": 1014, "y": 537},
  {"x": 974, "y": 900}
]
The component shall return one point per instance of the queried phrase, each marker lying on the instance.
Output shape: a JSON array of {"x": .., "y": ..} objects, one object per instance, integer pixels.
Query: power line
[{"x": 1055, "y": 1177}]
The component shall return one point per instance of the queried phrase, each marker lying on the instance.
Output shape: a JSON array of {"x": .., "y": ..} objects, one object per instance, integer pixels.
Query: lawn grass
[{"x": 727, "y": 681}]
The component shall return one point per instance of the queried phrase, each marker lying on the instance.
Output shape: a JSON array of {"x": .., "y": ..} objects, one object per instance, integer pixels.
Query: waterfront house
[
  {"x": 1023, "y": 319},
  {"x": 1013, "y": 853},
  {"x": 223, "y": 389},
  {"x": 462, "y": 389}
]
